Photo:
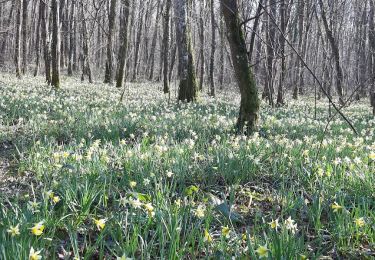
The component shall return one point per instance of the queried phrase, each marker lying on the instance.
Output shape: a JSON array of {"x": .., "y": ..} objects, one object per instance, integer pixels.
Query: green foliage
[{"x": 148, "y": 179}]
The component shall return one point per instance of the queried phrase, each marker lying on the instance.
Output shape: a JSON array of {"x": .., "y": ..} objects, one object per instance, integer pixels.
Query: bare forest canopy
[{"x": 291, "y": 46}]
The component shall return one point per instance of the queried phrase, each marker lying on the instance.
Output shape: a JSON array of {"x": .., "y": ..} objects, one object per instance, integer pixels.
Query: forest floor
[{"x": 85, "y": 176}]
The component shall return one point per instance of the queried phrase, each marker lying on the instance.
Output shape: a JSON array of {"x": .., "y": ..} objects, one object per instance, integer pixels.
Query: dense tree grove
[
  {"x": 163, "y": 40},
  {"x": 187, "y": 129}
]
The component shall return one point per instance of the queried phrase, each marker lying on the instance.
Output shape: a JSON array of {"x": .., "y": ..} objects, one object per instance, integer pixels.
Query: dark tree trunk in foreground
[
  {"x": 249, "y": 107},
  {"x": 108, "y": 78},
  {"x": 17, "y": 46},
  {"x": 188, "y": 86},
  {"x": 55, "y": 44},
  {"x": 122, "y": 56},
  {"x": 335, "y": 52},
  {"x": 166, "y": 46}
]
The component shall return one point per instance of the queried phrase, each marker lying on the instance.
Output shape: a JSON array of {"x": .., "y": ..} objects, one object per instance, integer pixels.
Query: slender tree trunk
[
  {"x": 109, "y": 63},
  {"x": 153, "y": 44},
  {"x": 138, "y": 42},
  {"x": 255, "y": 28},
  {"x": 166, "y": 46},
  {"x": 201, "y": 39},
  {"x": 17, "y": 48},
  {"x": 222, "y": 58},
  {"x": 188, "y": 86},
  {"x": 86, "y": 66},
  {"x": 271, "y": 46},
  {"x": 4, "y": 42},
  {"x": 280, "y": 92},
  {"x": 56, "y": 44},
  {"x": 372, "y": 44},
  {"x": 213, "y": 49},
  {"x": 122, "y": 56},
  {"x": 37, "y": 41},
  {"x": 71, "y": 39},
  {"x": 24, "y": 35},
  {"x": 335, "y": 53},
  {"x": 249, "y": 107},
  {"x": 301, "y": 16},
  {"x": 46, "y": 40}
]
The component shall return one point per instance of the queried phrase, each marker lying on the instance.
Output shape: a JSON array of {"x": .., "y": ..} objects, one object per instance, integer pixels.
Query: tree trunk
[
  {"x": 201, "y": 39},
  {"x": 86, "y": 66},
  {"x": 24, "y": 36},
  {"x": 280, "y": 92},
  {"x": 372, "y": 44},
  {"x": 108, "y": 78},
  {"x": 17, "y": 47},
  {"x": 72, "y": 43},
  {"x": 335, "y": 53},
  {"x": 271, "y": 46},
  {"x": 249, "y": 107},
  {"x": 122, "y": 56},
  {"x": 213, "y": 49},
  {"x": 37, "y": 41},
  {"x": 153, "y": 44},
  {"x": 138, "y": 42},
  {"x": 55, "y": 44},
  {"x": 166, "y": 46},
  {"x": 4, "y": 42},
  {"x": 188, "y": 86}
]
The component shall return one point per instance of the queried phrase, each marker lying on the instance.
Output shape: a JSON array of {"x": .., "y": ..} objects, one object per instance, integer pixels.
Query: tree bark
[
  {"x": 55, "y": 44},
  {"x": 372, "y": 44},
  {"x": 24, "y": 36},
  {"x": 188, "y": 86},
  {"x": 111, "y": 26},
  {"x": 122, "y": 56},
  {"x": 213, "y": 49},
  {"x": 166, "y": 46},
  {"x": 37, "y": 41},
  {"x": 249, "y": 107},
  {"x": 17, "y": 46},
  {"x": 280, "y": 92},
  {"x": 335, "y": 53}
]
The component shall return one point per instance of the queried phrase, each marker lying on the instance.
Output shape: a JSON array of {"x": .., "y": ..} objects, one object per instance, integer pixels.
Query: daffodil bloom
[
  {"x": 56, "y": 199},
  {"x": 225, "y": 231},
  {"x": 100, "y": 223},
  {"x": 372, "y": 156},
  {"x": 169, "y": 174},
  {"x": 262, "y": 251},
  {"x": 38, "y": 229},
  {"x": 132, "y": 184},
  {"x": 136, "y": 203},
  {"x": 336, "y": 207},
  {"x": 199, "y": 212},
  {"x": 14, "y": 231},
  {"x": 207, "y": 236},
  {"x": 303, "y": 257},
  {"x": 150, "y": 209},
  {"x": 274, "y": 224},
  {"x": 290, "y": 225},
  {"x": 34, "y": 255},
  {"x": 359, "y": 222}
]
